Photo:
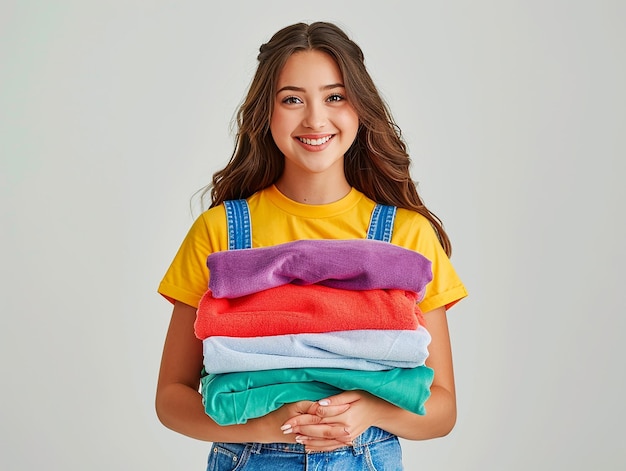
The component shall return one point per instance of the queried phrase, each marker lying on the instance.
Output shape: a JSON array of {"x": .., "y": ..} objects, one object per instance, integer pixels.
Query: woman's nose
[{"x": 315, "y": 117}]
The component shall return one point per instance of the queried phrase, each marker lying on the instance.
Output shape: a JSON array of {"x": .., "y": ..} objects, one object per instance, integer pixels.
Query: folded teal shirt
[{"x": 233, "y": 398}]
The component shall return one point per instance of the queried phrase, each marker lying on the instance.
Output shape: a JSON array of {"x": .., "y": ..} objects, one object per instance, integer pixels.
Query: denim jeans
[{"x": 373, "y": 450}]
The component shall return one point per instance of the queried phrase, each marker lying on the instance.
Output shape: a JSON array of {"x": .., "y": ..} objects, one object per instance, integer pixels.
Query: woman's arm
[
  {"x": 179, "y": 403},
  {"x": 333, "y": 421}
]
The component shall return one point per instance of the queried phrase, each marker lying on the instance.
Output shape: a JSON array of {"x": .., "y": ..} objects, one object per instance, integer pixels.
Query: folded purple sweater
[{"x": 358, "y": 264}]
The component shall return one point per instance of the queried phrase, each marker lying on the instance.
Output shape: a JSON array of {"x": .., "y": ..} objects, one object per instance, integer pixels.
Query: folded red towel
[{"x": 291, "y": 309}]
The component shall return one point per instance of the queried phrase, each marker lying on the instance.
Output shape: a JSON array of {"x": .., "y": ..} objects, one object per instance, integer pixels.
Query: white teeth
[{"x": 315, "y": 142}]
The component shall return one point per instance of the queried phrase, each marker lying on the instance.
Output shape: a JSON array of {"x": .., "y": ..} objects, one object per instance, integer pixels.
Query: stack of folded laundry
[{"x": 308, "y": 319}]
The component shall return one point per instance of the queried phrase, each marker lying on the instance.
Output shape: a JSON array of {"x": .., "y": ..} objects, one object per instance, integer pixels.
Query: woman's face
[{"x": 313, "y": 123}]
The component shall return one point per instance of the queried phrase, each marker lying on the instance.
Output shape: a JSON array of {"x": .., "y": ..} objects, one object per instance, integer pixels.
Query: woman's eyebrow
[{"x": 293, "y": 88}]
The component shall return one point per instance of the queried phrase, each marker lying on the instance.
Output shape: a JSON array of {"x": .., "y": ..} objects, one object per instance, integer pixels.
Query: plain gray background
[{"x": 113, "y": 113}]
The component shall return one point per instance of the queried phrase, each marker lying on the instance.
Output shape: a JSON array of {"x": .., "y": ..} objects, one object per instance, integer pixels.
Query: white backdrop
[{"x": 113, "y": 113}]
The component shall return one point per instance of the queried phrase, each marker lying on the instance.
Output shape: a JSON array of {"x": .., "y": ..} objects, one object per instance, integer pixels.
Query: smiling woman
[
  {"x": 318, "y": 158},
  {"x": 313, "y": 125}
]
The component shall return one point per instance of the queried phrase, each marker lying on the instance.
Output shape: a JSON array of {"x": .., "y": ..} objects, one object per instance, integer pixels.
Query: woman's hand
[
  {"x": 333, "y": 422},
  {"x": 303, "y": 412}
]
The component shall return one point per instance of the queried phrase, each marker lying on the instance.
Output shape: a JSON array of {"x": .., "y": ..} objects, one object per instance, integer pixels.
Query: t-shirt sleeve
[
  {"x": 187, "y": 278},
  {"x": 446, "y": 288}
]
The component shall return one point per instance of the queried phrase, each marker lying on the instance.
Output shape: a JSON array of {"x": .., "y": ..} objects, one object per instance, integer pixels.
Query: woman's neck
[{"x": 315, "y": 189}]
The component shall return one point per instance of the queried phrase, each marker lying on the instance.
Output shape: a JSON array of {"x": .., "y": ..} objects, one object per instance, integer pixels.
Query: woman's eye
[
  {"x": 291, "y": 100},
  {"x": 336, "y": 97}
]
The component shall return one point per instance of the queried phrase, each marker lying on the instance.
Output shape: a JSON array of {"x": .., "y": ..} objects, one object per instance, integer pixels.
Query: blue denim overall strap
[
  {"x": 239, "y": 226},
  {"x": 381, "y": 222}
]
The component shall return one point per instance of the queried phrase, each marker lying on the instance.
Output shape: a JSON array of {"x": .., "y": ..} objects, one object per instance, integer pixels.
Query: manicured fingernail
[
  {"x": 286, "y": 427},
  {"x": 300, "y": 439},
  {"x": 324, "y": 402}
]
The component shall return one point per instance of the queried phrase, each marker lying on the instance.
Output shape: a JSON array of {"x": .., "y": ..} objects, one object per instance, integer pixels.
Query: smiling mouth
[{"x": 316, "y": 142}]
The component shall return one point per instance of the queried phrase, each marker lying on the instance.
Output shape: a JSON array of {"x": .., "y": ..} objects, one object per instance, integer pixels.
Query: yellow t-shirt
[{"x": 276, "y": 219}]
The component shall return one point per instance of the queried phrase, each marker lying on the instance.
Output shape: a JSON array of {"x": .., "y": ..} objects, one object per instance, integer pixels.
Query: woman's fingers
[
  {"x": 294, "y": 424},
  {"x": 330, "y": 410},
  {"x": 314, "y": 415},
  {"x": 333, "y": 437},
  {"x": 317, "y": 430},
  {"x": 345, "y": 397}
]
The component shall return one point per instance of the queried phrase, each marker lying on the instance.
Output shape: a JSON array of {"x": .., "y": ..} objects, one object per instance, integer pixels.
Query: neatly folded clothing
[
  {"x": 291, "y": 309},
  {"x": 358, "y": 264},
  {"x": 366, "y": 350},
  {"x": 234, "y": 398}
]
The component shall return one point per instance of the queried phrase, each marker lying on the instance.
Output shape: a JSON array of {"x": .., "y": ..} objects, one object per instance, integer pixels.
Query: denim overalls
[{"x": 373, "y": 450}]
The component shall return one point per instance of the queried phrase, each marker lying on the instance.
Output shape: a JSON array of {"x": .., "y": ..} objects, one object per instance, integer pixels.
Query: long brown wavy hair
[{"x": 377, "y": 163}]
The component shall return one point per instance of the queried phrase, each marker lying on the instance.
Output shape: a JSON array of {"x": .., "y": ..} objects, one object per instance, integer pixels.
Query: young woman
[{"x": 317, "y": 157}]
